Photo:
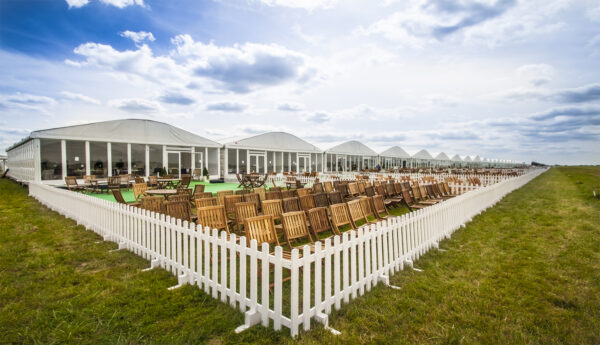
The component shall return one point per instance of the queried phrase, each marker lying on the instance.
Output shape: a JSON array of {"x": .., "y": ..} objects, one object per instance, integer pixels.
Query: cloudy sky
[{"x": 504, "y": 79}]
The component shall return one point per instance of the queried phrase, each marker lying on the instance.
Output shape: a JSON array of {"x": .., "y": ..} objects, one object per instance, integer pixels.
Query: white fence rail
[{"x": 269, "y": 287}]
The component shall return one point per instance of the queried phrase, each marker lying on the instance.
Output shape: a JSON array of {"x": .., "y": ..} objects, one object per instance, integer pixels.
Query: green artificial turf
[{"x": 526, "y": 271}]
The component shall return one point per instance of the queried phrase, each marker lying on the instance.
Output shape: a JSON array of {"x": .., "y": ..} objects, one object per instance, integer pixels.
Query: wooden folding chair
[
  {"x": 288, "y": 194},
  {"x": 139, "y": 190},
  {"x": 153, "y": 204},
  {"x": 221, "y": 196},
  {"x": 244, "y": 210},
  {"x": 213, "y": 217},
  {"x": 356, "y": 212},
  {"x": 319, "y": 222},
  {"x": 379, "y": 207},
  {"x": 291, "y": 205},
  {"x": 328, "y": 186},
  {"x": 307, "y": 202},
  {"x": 366, "y": 203},
  {"x": 230, "y": 201},
  {"x": 321, "y": 200},
  {"x": 198, "y": 190},
  {"x": 204, "y": 202},
  {"x": 302, "y": 192},
  {"x": 179, "y": 210},
  {"x": 294, "y": 227},
  {"x": 273, "y": 195},
  {"x": 335, "y": 198},
  {"x": 340, "y": 217},
  {"x": 318, "y": 188},
  {"x": 253, "y": 198}
]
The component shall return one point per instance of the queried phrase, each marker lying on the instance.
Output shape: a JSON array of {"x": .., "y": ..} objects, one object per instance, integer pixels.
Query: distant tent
[{"x": 350, "y": 156}]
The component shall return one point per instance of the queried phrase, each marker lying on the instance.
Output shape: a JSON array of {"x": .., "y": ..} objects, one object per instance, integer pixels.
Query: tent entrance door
[
  {"x": 174, "y": 163},
  {"x": 257, "y": 162},
  {"x": 303, "y": 163}
]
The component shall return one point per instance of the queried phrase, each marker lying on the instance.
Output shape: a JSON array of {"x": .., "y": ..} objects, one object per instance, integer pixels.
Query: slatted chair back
[
  {"x": 389, "y": 190},
  {"x": 180, "y": 197},
  {"x": 343, "y": 188},
  {"x": 203, "y": 202},
  {"x": 379, "y": 206},
  {"x": 273, "y": 208},
  {"x": 288, "y": 194},
  {"x": 213, "y": 216},
  {"x": 294, "y": 227},
  {"x": 71, "y": 182},
  {"x": 139, "y": 190},
  {"x": 275, "y": 189},
  {"x": 328, "y": 186},
  {"x": 302, "y": 191},
  {"x": 447, "y": 188},
  {"x": 204, "y": 195},
  {"x": 398, "y": 188},
  {"x": 406, "y": 185},
  {"x": 253, "y": 198},
  {"x": 361, "y": 187},
  {"x": 221, "y": 196},
  {"x": 380, "y": 190},
  {"x": 407, "y": 198},
  {"x": 355, "y": 211},
  {"x": 353, "y": 189},
  {"x": 335, "y": 198},
  {"x": 124, "y": 180},
  {"x": 152, "y": 181},
  {"x": 423, "y": 193},
  {"x": 178, "y": 210},
  {"x": 242, "y": 191},
  {"x": 186, "y": 191},
  {"x": 118, "y": 196},
  {"x": 198, "y": 190},
  {"x": 185, "y": 181},
  {"x": 431, "y": 192},
  {"x": 261, "y": 191},
  {"x": 340, "y": 216},
  {"x": 366, "y": 203},
  {"x": 416, "y": 193},
  {"x": 261, "y": 229},
  {"x": 114, "y": 183},
  {"x": 291, "y": 205},
  {"x": 244, "y": 210},
  {"x": 230, "y": 201},
  {"x": 153, "y": 204},
  {"x": 318, "y": 188},
  {"x": 299, "y": 184},
  {"x": 139, "y": 179},
  {"x": 321, "y": 200},
  {"x": 319, "y": 222},
  {"x": 369, "y": 191},
  {"x": 273, "y": 195},
  {"x": 307, "y": 202}
]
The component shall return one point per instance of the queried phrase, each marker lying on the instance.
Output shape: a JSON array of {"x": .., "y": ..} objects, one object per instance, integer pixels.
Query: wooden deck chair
[
  {"x": 90, "y": 183},
  {"x": 291, "y": 205},
  {"x": 275, "y": 189},
  {"x": 204, "y": 195},
  {"x": 198, "y": 190},
  {"x": 379, "y": 207},
  {"x": 328, "y": 187},
  {"x": 179, "y": 197},
  {"x": 242, "y": 191},
  {"x": 318, "y": 188},
  {"x": 442, "y": 191},
  {"x": 302, "y": 192},
  {"x": 369, "y": 191},
  {"x": 203, "y": 202},
  {"x": 262, "y": 229},
  {"x": 119, "y": 198},
  {"x": 340, "y": 217},
  {"x": 410, "y": 203},
  {"x": 319, "y": 222},
  {"x": 221, "y": 196},
  {"x": 356, "y": 212},
  {"x": 273, "y": 195},
  {"x": 321, "y": 200},
  {"x": 366, "y": 203},
  {"x": 294, "y": 227},
  {"x": 244, "y": 210},
  {"x": 353, "y": 190},
  {"x": 230, "y": 201},
  {"x": 361, "y": 187},
  {"x": 261, "y": 191},
  {"x": 390, "y": 193},
  {"x": 214, "y": 217},
  {"x": 179, "y": 210},
  {"x": 153, "y": 203},
  {"x": 432, "y": 195},
  {"x": 307, "y": 202},
  {"x": 416, "y": 194},
  {"x": 139, "y": 190},
  {"x": 335, "y": 198},
  {"x": 273, "y": 208},
  {"x": 124, "y": 181},
  {"x": 72, "y": 185},
  {"x": 152, "y": 181},
  {"x": 288, "y": 194},
  {"x": 344, "y": 190},
  {"x": 253, "y": 198},
  {"x": 448, "y": 189}
]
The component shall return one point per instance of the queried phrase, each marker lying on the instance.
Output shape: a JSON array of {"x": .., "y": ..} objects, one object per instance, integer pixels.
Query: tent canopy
[
  {"x": 456, "y": 158},
  {"x": 476, "y": 159},
  {"x": 468, "y": 159},
  {"x": 127, "y": 131},
  {"x": 277, "y": 141},
  {"x": 423, "y": 154},
  {"x": 352, "y": 147},
  {"x": 395, "y": 152},
  {"x": 442, "y": 157}
]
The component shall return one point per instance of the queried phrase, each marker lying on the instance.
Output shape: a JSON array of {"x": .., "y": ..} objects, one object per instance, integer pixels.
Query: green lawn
[{"x": 525, "y": 272}]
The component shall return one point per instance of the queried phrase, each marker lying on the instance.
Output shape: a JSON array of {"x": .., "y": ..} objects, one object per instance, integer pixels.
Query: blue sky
[{"x": 502, "y": 79}]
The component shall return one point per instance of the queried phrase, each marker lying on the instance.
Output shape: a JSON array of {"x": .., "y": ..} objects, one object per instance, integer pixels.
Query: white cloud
[
  {"x": 124, "y": 3},
  {"x": 138, "y": 36},
  {"x": 302, "y": 4},
  {"x": 136, "y": 105},
  {"x": 79, "y": 97},
  {"x": 536, "y": 74},
  {"x": 290, "y": 107},
  {"x": 77, "y": 3}
]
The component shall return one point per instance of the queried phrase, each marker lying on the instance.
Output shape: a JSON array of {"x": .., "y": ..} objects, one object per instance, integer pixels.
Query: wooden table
[
  {"x": 164, "y": 182},
  {"x": 165, "y": 192}
]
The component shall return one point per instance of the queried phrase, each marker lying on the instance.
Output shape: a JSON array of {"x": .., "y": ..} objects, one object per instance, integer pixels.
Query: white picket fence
[{"x": 240, "y": 273}]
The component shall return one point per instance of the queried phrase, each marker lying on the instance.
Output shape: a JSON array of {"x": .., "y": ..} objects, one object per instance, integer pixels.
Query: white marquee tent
[
  {"x": 394, "y": 157},
  {"x": 350, "y": 156}
]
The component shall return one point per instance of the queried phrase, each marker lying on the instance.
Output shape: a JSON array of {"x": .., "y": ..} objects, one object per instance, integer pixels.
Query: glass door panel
[{"x": 173, "y": 167}]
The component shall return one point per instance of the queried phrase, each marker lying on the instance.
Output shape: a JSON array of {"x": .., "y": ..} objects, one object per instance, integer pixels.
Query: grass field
[{"x": 525, "y": 272}]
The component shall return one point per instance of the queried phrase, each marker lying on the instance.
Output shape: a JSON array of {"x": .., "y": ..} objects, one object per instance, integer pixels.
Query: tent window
[
  {"x": 156, "y": 159},
  {"x": 98, "y": 165},
  {"x": 138, "y": 159},
  {"x": 50, "y": 156},
  {"x": 76, "y": 158},
  {"x": 119, "y": 158}
]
